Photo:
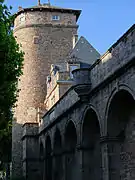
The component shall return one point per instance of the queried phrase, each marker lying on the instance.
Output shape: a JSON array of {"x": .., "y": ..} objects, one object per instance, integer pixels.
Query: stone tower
[{"x": 46, "y": 34}]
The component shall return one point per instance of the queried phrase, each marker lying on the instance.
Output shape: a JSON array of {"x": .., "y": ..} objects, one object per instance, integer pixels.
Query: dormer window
[
  {"x": 73, "y": 67},
  {"x": 55, "y": 18}
]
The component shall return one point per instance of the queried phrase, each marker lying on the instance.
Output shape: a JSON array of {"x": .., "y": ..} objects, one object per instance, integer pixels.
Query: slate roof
[{"x": 84, "y": 52}]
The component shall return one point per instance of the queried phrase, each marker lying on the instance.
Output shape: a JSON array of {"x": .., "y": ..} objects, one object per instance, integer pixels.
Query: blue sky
[{"x": 102, "y": 22}]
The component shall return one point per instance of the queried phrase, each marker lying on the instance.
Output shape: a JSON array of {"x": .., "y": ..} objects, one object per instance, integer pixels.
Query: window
[
  {"x": 72, "y": 67},
  {"x": 53, "y": 100},
  {"x": 22, "y": 18},
  {"x": 55, "y": 17},
  {"x": 36, "y": 39}
]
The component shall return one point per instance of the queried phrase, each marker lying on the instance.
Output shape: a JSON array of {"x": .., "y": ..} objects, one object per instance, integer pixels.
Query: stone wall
[
  {"x": 30, "y": 154},
  {"x": 44, "y": 18},
  {"x": 118, "y": 55},
  {"x": 59, "y": 82},
  {"x": 109, "y": 106},
  {"x": 44, "y": 43}
]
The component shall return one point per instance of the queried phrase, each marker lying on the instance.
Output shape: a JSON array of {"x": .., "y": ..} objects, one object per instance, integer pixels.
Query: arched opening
[
  {"x": 70, "y": 145},
  {"x": 58, "y": 169},
  {"x": 120, "y": 129},
  {"x": 48, "y": 159},
  {"x": 42, "y": 160},
  {"x": 91, "y": 147}
]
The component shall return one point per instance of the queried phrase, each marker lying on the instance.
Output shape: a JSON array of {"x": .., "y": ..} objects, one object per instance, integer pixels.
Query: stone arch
[
  {"x": 57, "y": 141},
  {"x": 92, "y": 158},
  {"x": 48, "y": 158},
  {"x": 114, "y": 91},
  {"x": 57, "y": 152},
  {"x": 41, "y": 155},
  {"x": 70, "y": 151},
  {"x": 86, "y": 109},
  {"x": 70, "y": 136},
  {"x": 120, "y": 125}
]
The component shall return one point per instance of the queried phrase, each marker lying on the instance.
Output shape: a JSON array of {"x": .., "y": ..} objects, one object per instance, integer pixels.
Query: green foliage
[
  {"x": 11, "y": 63},
  {"x": 6, "y": 143},
  {"x": 11, "y": 59}
]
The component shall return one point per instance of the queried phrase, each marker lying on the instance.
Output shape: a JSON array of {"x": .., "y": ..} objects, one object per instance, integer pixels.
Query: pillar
[
  {"x": 31, "y": 163},
  {"x": 104, "y": 151},
  {"x": 111, "y": 157}
]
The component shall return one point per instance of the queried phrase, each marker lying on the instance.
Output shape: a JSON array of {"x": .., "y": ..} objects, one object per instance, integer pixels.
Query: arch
[
  {"x": 57, "y": 149},
  {"x": 120, "y": 119},
  {"x": 86, "y": 109},
  {"x": 120, "y": 87},
  {"x": 70, "y": 136},
  {"x": 48, "y": 158},
  {"x": 70, "y": 147},
  {"x": 91, "y": 146},
  {"x": 57, "y": 141},
  {"x": 68, "y": 124}
]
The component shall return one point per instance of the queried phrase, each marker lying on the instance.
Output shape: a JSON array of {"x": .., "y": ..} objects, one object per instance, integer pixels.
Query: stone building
[
  {"x": 60, "y": 78},
  {"x": 80, "y": 126},
  {"x": 46, "y": 34}
]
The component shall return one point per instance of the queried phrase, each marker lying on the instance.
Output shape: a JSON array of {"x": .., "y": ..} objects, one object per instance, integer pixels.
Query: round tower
[{"x": 46, "y": 35}]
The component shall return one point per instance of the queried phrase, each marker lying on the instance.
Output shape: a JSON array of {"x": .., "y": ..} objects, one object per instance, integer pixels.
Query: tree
[{"x": 11, "y": 63}]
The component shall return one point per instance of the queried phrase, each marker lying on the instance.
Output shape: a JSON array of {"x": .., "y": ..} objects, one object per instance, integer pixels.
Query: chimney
[
  {"x": 20, "y": 8},
  {"x": 39, "y": 3}
]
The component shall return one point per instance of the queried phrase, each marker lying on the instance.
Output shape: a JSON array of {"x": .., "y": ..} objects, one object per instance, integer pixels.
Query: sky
[{"x": 102, "y": 22}]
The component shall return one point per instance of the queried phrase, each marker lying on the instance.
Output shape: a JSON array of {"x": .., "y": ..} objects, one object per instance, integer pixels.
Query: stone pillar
[
  {"x": 110, "y": 157},
  {"x": 57, "y": 166},
  {"x": 105, "y": 165},
  {"x": 87, "y": 166},
  {"x": 53, "y": 166},
  {"x": 17, "y": 131},
  {"x": 80, "y": 161},
  {"x": 31, "y": 163},
  {"x": 64, "y": 165},
  {"x": 41, "y": 166},
  {"x": 70, "y": 165},
  {"x": 76, "y": 163}
]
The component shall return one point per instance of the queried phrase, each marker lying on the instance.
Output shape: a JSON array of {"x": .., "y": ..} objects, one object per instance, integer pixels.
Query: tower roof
[
  {"x": 84, "y": 51},
  {"x": 48, "y": 7}
]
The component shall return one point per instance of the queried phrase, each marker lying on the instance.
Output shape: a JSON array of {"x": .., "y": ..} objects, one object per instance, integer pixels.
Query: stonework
[
  {"x": 88, "y": 132},
  {"x": 96, "y": 135},
  {"x": 45, "y": 42},
  {"x": 59, "y": 81}
]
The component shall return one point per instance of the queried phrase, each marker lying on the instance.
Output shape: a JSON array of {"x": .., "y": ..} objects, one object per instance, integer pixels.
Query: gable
[{"x": 85, "y": 52}]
